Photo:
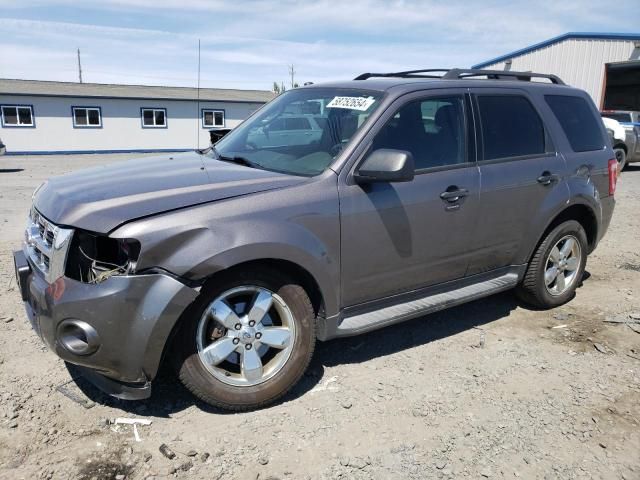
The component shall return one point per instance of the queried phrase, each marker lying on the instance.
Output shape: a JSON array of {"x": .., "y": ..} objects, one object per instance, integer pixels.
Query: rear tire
[
  {"x": 556, "y": 268},
  {"x": 249, "y": 355}
]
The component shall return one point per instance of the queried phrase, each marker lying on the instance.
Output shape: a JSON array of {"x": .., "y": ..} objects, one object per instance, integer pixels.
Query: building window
[
  {"x": 17, "y": 116},
  {"x": 87, "y": 117},
  {"x": 212, "y": 118},
  {"x": 154, "y": 118}
]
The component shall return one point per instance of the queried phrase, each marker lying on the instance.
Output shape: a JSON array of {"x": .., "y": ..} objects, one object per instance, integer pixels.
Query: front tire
[
  {"x": 621, "y": 157},
  {"x": 247, "y": 340},
  {"x": 556, "y": 268}
]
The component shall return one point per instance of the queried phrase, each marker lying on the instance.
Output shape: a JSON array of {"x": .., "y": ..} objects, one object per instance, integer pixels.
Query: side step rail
[{"x": 365, "y": 322}]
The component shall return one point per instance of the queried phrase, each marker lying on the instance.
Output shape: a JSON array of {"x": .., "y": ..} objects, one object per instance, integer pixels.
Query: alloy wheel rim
[
  {"x": 562, "y": 265},
  {"x": 245, "y": 336}
]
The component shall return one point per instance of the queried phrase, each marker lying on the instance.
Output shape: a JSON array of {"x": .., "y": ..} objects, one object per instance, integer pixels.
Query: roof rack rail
[
  {"x": 461, "y": 73},
  {"x": 408, "y": 73}
]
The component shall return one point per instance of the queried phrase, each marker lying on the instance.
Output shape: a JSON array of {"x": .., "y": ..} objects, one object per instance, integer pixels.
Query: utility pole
[
  {"x": 79, "y": 67},
  {"x": 292, "y": 72},
  {"x": 198, "y": 104}
]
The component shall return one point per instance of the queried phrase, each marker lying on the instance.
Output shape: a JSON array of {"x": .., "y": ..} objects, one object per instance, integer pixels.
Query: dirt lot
[{"x": 486, "y": 390}]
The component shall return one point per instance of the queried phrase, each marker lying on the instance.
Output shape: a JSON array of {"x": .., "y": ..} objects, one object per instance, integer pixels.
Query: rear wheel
[
  {"x": 556, "y": 268},
  {"x": 248, "y": 339}
]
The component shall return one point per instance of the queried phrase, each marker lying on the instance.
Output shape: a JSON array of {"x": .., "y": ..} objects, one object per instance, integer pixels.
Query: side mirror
[{"x": 386, "y": 165}]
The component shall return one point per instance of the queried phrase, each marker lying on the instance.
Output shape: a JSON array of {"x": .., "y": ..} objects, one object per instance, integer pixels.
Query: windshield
[{"x": 301, "y": 131}]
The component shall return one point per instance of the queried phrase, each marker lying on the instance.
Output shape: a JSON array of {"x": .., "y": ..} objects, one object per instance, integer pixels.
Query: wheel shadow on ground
[{"x": 169, "y": 397}]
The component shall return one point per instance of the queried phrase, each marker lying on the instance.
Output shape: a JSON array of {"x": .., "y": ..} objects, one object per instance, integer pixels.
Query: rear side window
[
  {"x": 511, "y": 127},
  {"x": 621, "y": 117},
  {"x": 578, "y": 121},
  {"x": 297, "y": 123}
]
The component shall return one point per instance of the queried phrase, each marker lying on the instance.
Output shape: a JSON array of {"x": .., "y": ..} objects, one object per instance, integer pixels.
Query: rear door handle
[
  {"x": 547, "y": 178},
  {"x": 453, "y": 194}
]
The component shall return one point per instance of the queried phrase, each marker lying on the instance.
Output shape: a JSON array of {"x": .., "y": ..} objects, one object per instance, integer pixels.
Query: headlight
[{"x": 93, "y": 258}]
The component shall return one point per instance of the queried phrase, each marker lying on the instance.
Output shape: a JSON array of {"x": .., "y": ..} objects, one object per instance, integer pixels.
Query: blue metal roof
[{"x": 560, "y": 38}]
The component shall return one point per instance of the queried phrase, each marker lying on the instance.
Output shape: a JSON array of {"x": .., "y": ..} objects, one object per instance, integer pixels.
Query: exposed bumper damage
[{"x": 117, "y": 329}]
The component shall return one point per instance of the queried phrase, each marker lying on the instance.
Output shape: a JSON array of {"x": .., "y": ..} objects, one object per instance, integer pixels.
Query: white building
[
  {"x": 606, "y": 65},
  {"x": 39, "y": 117}
]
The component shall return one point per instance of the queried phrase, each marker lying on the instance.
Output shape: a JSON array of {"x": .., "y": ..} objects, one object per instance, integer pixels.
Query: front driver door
[{"x": 397, "y": 237}]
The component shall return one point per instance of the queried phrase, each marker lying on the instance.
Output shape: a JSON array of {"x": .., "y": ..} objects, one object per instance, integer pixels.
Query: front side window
[
  {"x": 433, "y": 130},
  {"x": 154, "y": 117},
  {"x": 511, "y": 127},
  {"x": 17, "y": 116},
  {"x": 212, "y": 118},
  {"x": 578, "y": 121},
  {"x": 87, "y": 117},
  {"x": 301, "y": 131}
]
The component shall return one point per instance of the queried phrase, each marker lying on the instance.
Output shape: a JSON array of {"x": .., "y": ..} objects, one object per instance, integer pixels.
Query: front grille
[{"x": 46, "y": 245}]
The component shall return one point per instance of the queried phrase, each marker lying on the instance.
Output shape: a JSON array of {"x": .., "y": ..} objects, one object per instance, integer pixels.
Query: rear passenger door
[{"x": 522, "y": 177}]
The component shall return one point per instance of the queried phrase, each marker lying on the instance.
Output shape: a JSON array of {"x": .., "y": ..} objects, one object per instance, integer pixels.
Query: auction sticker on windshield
[{"x": 352, "y": 103}]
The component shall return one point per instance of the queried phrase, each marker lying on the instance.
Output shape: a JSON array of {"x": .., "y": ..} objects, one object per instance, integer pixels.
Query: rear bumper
[{"x": 129, "y": 318}]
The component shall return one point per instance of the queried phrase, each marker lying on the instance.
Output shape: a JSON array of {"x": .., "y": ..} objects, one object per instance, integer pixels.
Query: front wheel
[
  {"x": 556, "y": 268},
  {"x": 248, "y": 339},
  {"x": 621, "y": 158}
]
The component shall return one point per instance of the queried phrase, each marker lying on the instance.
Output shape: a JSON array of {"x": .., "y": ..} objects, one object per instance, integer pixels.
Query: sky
[{"x": 250, "y": 44}]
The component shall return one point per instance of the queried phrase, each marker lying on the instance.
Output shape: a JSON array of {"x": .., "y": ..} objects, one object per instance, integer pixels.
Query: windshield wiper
[
  {"x": 236, "y": 159},
  {"x": 240, "y": 161}
]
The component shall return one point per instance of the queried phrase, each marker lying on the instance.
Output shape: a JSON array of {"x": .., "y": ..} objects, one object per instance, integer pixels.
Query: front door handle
[
  {"x": 453, "y": 194},
  {"x": 547, "y": 178}
]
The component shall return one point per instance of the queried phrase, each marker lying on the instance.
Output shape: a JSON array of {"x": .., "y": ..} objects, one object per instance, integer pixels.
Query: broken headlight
[{"x": 93, "y": 258}]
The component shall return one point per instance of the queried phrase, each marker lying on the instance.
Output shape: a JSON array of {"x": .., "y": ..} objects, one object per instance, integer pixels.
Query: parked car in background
[
  {"x": 3, "y": 148},
  {"x": 630, "y": 121},
  {"x": 286, "y": 130},
  {"x": 216, "y": 134},
  {"x": 415, "y": 192},
  {"x": 617, "y": 136}
]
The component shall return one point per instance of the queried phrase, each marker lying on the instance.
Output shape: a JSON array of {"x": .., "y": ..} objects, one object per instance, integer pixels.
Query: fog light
[{"x": 78, "y": 337}]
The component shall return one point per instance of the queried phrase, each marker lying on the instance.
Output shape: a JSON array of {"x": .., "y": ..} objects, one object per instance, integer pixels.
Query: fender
[
  {"x": 198, "y": 242},
  {"x": 593, "y": 205}
]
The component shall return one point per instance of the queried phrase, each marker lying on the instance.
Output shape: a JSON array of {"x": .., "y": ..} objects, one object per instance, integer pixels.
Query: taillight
[{"x": 613, "y": 175}]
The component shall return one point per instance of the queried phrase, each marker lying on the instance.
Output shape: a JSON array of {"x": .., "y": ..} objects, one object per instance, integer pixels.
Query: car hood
[{"x": 100, "y": 199}]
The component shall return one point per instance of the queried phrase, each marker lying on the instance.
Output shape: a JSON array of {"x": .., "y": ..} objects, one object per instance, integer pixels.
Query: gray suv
[{"x": 423, "y": 190}]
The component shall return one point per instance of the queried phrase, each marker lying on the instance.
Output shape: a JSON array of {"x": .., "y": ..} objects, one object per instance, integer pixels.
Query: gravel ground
[{"x": 486, "y": 390}]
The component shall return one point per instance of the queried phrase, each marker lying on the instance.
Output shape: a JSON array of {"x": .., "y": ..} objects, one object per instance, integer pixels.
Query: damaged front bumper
[{"x": 116, "y": 330}]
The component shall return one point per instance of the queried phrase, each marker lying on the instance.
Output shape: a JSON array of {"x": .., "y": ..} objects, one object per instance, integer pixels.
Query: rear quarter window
[{"x": 578, "y": 121}]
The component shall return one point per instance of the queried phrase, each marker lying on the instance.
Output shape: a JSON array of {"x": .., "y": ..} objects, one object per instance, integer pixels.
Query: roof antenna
[
  {"x": 79, "y": 67},
  {"x": 198, "y": 112}
]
